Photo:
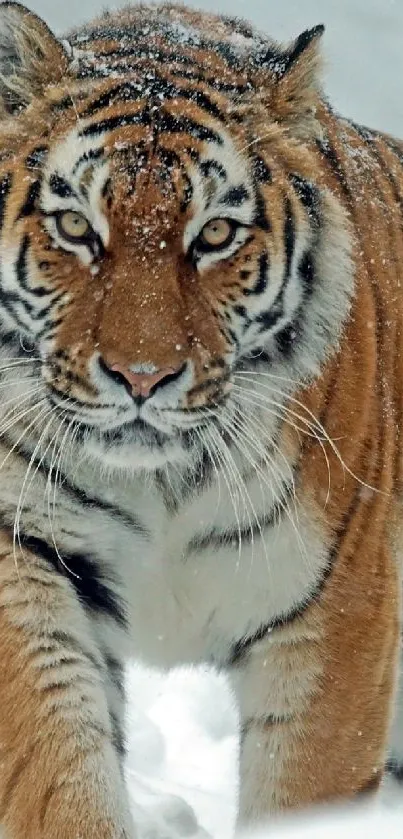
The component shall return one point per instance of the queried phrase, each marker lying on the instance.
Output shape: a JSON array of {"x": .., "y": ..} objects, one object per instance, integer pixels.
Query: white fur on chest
[
  {"x": 193, "y": 607},
  {"x": 186, "y": 604}
]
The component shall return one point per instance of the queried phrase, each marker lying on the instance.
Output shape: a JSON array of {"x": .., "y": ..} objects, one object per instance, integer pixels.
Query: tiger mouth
[
  {"x": 132, "y": 432},
  {"x": 136, "y": 431}
]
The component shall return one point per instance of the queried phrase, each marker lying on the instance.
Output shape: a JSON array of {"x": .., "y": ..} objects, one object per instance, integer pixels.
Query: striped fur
[{"x": 247, "y": 512}]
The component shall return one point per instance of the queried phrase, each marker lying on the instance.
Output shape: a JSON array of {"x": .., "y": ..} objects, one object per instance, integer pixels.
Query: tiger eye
[
  {"x": 216, "y": 233},
  {"x": 73, "y": 226}
]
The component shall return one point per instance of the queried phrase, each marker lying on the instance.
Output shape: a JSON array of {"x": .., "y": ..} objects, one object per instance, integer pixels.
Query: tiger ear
[
  {"x": 31, "y": 57},
  {"x": 296, "y": 82}
]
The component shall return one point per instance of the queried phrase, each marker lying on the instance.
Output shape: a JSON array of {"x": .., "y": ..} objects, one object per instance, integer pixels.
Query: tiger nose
[{"x": 142, "y": 383}]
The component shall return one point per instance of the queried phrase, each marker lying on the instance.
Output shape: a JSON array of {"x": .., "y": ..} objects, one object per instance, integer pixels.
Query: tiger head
[{"x": 164, "y": 235}]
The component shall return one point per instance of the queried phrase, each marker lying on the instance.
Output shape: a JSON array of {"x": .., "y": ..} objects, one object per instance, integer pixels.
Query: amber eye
[
  {"x": 216, "y": 234},
  {"x": 73, "y": 226}
]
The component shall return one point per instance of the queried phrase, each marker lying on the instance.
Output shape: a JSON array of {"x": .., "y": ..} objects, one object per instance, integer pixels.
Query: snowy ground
[
  {"x": 182, "y": 728},
  {"x": 183, "y": 742}
]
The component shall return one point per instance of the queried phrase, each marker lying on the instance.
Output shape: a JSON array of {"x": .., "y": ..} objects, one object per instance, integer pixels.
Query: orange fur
[{"x": 333, "y": 669}]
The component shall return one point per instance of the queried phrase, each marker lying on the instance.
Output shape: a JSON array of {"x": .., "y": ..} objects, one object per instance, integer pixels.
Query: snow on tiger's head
[{"x": 163, "y": 223}]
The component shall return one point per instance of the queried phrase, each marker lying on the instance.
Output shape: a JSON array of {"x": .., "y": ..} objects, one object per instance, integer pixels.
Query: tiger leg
[
  {"x": 60, "y": 776},
  {"x": 315, "y": 710}
]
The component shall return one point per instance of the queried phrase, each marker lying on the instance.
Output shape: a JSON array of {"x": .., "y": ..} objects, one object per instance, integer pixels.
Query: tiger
[{"x": 201, "y": 331}]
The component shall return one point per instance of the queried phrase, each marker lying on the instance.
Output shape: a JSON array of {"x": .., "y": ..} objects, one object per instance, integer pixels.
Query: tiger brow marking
[
  {"x": 60, "y": 187},
  {"x": 163, "y": 121},
  {"x": 88, "y": 157},
  {"x": 119, "y": 121},
  {"x": 158, "y": 85},
  {"x": 235, "y": 196}
]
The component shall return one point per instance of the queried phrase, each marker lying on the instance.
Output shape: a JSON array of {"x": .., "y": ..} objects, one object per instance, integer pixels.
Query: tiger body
[{"x": 247, "y": 511}]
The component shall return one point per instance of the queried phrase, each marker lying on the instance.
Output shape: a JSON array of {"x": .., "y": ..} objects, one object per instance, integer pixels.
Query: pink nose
[{"x": 142, "y": 383}]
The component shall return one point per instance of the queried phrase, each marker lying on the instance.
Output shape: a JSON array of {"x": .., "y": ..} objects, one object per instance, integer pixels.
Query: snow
[
  {"x": 183, "y": 741},
  {"x": 182, "y": 727}
]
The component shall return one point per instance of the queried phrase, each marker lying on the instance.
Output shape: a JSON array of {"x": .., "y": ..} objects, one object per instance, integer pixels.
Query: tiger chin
[{"x": 201, "y": 407}]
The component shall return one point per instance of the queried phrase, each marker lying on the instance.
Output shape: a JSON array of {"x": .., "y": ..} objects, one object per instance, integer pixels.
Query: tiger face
[{"x": 157, "y": 242}]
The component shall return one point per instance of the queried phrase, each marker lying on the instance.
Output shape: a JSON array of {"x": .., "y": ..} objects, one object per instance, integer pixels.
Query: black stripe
[
  {"x": 30, "y": 204},
  {"x": 235, "y": 196},
  {"x": 112, "y": 123},
  {"x": 209, "y": 382},
  {"x": 241, "y": 648},
  {"x": 306, "y": 270},
  {"x": 309, "y": 195},
  {"x": 92, "y": 502},
  {"x": 184, "y": 125},
  {"x": 88, "y": 157},
  {"x": 289, "y": 238},
  {"x": 263, "y": 276},
  {"x": 83, "y": 573},
  {"x": 6, "y": 301},
  {"x": 157, "y": 86},
  {"x": 59, "y": 186},
  {"x": 261, "y": 170},
  {"x": 212, "y": 167},
  {"x": 288, "y": 338},
  {"x": 156, "y": 54},
  {"x": 57, "y": 638},
  {"x": 5, "y": 186},
  {"x": 141, "y": 46},
  {"x": 148, "y": 53},
  {"x": 270, "y": 317},
  {"x": 101, "y": 33},
  {"x": 10, "y": 300},
  {"x": 216, "y": 538},
  {"x": 330, "y": 155},
  {"x": 21, "y": 268},
  {"x": 260, "y": 218}
]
